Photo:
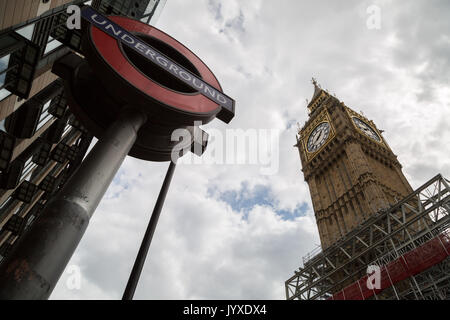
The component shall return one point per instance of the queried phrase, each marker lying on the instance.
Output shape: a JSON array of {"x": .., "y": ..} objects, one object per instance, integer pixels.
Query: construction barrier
[{"x": 411, "y": 263}]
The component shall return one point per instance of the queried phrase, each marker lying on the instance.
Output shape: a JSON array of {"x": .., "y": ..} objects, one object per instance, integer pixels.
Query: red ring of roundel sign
[{"x": 111, "y": 52}]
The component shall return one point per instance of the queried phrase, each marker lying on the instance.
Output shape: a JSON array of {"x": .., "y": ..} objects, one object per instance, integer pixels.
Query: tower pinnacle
[{"x": 318, "y": 92}]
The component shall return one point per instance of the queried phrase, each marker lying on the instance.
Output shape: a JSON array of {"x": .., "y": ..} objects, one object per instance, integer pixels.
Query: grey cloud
[{"x": 204, "y": 249}]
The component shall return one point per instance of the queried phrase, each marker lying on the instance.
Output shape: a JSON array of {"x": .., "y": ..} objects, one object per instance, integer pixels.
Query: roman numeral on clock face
[
  {"x": 366, "y": 129},
  {"x": 318, "y": 137}
]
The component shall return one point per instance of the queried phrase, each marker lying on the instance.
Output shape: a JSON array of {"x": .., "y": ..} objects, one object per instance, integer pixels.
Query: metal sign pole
[
  {"x": 34, "y": 267},
  {"x": 146, "y": 241}
]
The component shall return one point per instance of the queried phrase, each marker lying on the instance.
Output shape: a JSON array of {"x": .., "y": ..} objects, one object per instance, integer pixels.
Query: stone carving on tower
[{"x": 350, "y": 169}]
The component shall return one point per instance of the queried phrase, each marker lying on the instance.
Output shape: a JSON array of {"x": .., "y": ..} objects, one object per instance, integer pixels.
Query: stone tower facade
[{"x": 350, "y": 169}]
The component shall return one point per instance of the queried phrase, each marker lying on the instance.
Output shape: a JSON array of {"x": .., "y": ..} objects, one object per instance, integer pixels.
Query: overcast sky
[{"x": 229, "y": 231}]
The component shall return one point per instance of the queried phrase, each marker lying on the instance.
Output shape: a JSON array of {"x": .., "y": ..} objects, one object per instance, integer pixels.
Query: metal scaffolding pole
[
  {"x": 33, "y": 268},
  {"x": 418, "y": 224}
]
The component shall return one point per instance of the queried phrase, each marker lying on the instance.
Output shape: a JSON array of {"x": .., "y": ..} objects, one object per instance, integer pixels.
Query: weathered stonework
[{"x": 351, "y": 176}]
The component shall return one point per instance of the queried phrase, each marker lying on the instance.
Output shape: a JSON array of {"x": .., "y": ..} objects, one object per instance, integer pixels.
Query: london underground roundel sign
[{"x": 147, "y": 68}]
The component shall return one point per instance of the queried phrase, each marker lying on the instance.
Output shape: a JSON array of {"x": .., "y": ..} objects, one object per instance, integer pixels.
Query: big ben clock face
[
  {"x": 366, "y": 129},
  {"x": 318, "y": 137}
]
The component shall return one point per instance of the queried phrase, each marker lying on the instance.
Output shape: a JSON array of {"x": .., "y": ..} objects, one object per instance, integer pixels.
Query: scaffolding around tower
[{"x": 409, "y": 242}]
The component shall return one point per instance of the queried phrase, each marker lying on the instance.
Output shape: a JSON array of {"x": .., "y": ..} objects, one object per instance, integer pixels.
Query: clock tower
[{"x": 350, "y": 169}]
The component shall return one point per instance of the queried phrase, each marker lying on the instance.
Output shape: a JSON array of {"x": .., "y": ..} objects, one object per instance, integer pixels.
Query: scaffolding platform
[{"x": 409, "y": 243}]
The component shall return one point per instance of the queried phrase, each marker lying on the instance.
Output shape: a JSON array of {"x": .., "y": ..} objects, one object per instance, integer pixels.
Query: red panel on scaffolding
[
  {"x": 338, "y": 296},
  {"x": 352, "y": 291},
  {"x": 411, "y": 263},
  {"x": 365, "y": 291},
  {"x": 426, "y": 255},
  {"x": 397, "y": 270}
]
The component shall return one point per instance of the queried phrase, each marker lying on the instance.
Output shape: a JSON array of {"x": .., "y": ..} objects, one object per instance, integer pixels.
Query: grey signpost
[{"x": 32, "y": 270}]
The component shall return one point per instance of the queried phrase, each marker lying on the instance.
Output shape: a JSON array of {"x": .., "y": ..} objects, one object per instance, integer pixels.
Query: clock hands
[
  {"x": 366, "y": 129},
  {"x": 318, "y": 137}
]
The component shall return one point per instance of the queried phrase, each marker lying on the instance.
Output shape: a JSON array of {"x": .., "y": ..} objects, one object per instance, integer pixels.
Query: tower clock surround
[
  {"x": 366, "y": 129},
  {"x": 318, "y": 137}
]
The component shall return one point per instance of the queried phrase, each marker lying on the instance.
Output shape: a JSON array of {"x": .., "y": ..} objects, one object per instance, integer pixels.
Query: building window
[
  {"x": 27, "y": 168},
  {"x": 52, "y": 44},
  {"x": 151, "y": 6},
  {"x": 4, "y": 62},
  {"x": 66, "y": 130},
  {"x": 16, "y": 67},
  {"x": 27, "y": 31},
  {"x": 44, "y": 117},
  {"x": 2, "y": 125},
  {"x": 5, "y": 205},
  {"x": 4, "y": 93},
  {"x": 153, "y": 11},
  {"x": 149, "y": 11},
  {"x": 29, "y": 222},
  {"x": 7, "y": 143}
]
